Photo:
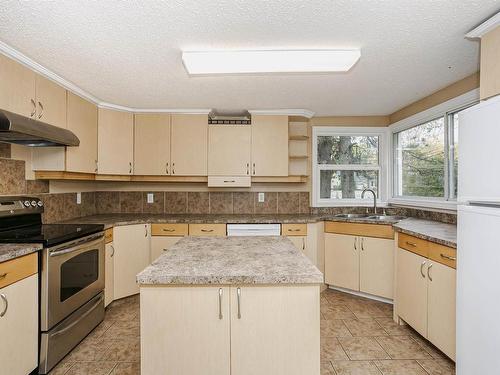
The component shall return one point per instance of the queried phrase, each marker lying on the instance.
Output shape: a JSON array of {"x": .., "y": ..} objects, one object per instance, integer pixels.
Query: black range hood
[{"x": 26, "y": 131}]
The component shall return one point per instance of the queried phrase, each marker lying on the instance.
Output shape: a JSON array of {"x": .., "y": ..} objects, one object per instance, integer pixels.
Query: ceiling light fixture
[{"x": 269, "y": 61}]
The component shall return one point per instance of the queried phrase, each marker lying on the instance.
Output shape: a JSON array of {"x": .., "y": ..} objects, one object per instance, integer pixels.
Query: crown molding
[
  {"x": 180, "y": 111},
  {"x": 484, "y": 28},
  {"x": 286, "y": 112}
]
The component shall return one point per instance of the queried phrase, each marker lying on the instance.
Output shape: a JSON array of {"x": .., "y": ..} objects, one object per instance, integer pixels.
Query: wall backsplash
[{"x": 62, "y": 206}]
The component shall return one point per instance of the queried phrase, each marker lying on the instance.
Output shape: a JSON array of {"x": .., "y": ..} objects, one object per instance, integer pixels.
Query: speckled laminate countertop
[
  {"x": 231, "y": 260},
  {"x": 444, "y": 234},
  {"x": 10, "y": 251}
]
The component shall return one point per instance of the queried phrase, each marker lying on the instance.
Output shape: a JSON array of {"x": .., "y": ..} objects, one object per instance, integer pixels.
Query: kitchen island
[{"x": 231, "y": 305}]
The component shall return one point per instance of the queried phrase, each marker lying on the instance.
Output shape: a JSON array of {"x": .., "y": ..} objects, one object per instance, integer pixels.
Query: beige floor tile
[
  {"x": 394, "y": 329},
  {"x": 434, "y": 367},
  {"x": 131, "y": 368},
  {"x": 402, "y": 347},
  {"x": 62, "y": 367},
  {"x": 91, "y": 368},
  {"x": 387, "y": 309},
  {"x": 401, "y": 367},
  {"x": 428, "y": 347},
  {"x": 364, "y": 327},
  {"x": 123, "y": 312},
  {"x": 100, "y": 329},
  {"x": 362, "y": 348},
  {"x": 334, "y": 328},
  {"x": 326, "y": 368},
  {"x": 88, "y": 350},
  {"x": 335, "y": 296},
  {"x": 355, "y": 368},
  {"x": 123, "y": 329},
  {"x": 366, "y": 309},
  {"x": 331, "y": 349},
  {"x": 337, "y": 311},
  {"x": 122, "y": 350}
]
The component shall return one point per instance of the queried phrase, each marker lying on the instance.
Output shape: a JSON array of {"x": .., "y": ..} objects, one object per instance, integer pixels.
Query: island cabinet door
[
  {"x": 275, "y": 330},
  {"x": 185, "y": 331}
]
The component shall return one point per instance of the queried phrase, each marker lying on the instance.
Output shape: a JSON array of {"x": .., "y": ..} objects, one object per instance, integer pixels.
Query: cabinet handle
[
  {"x": 220, "y": 303},
  {"x": 447, "y": 257},
  {"x": 166, "y": 168},
  {"x": 96, "y": 167},
  {"x": 173, "y": 168},
  {"x": 41, "y": 112},
  {"x": 6, "y": 303},
  {"x": 34, "y": 108},
  {"x": 429, "y": 272},
  {"x": 355, "y": 246},
  {"x": 165, "y": 249},
  {"x": 112, "y": 251},
  {"x": 248, "y": 168},
  {"x": 254, "y": 168},
  {"x": 362, "y": 243},
  {"x": 238, "y": 293},
  {"x": 129, "y": 167},
  {"x": 168, "y": 230},
  {"x": 229, "y": 181},
  {"x": 146, "y": 230},
  {"x": 422, "y": 269},
  {"x": 3, "y": 275},
  {"x": 293, "y": 230},
  {"x": 303, "y": 244},
  {"x": 412, "y": 244},
  {"x": 207, "y": 230}
]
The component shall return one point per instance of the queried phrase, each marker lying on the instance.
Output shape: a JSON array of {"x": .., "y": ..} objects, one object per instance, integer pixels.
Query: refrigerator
[{"x": 478, "y": 246}]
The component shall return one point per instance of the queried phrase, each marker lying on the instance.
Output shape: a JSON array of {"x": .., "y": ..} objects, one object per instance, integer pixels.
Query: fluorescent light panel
[{"x": 269, "y": 61}]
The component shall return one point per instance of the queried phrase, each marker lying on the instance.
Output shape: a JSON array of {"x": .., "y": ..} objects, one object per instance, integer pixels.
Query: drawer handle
[
  {"x": 3, "y": 275},
  {"x": 6, "y": 303},
  {"x": 362, "y": 244},
  {"x": 168, "y": 230},
  {"x": 207, "y": 230},
  {"x": 229, "y": 181},
  {"x": 422, "y": 269},
  {"x": 429, "y": 272},
  {"x": 238, "y": 293},
  {"x": 448, "y": 257},
  {"x": 412, "y": 244},
  {"x": 220, "y": 303},
  {"x": 294, "y": 230}
]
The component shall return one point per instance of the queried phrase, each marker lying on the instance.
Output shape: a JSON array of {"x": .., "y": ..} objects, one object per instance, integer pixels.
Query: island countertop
[{"x": 229, "y": 261}]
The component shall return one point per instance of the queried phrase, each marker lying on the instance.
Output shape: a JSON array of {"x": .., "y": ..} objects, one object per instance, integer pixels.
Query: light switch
[
  {"x": 261, "y": 197},
  {"x": 78, "y": 198},
  {"x": 151, "y": 198}
]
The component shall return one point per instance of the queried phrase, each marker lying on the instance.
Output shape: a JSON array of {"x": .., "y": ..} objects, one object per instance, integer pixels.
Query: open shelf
[{"x": 298, "y": 138}]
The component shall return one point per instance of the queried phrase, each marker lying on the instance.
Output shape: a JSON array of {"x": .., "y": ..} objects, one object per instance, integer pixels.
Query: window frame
[
  {"x": 380, "y": 132},
  {"x": 444, "y": 110}
]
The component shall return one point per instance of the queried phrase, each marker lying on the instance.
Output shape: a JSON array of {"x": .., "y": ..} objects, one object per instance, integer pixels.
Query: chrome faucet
[{"x": 374, "y": 198}]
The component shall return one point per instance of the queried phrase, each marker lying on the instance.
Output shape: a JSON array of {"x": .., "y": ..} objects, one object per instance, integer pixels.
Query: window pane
[
  {"x": 421, "y": 160},
  {"x": 347, "y": 184},
  {"x": 348, "y": 150},
  {"x": 454, "y": 149}
]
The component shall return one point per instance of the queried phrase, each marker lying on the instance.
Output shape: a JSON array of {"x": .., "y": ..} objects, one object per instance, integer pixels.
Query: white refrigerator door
[
  {"x": 478, "y": 291},
  {"x": 478, "y": 152}
]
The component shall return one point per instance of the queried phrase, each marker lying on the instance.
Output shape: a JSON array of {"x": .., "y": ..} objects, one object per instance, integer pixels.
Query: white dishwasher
[{"x": 253, "y": 229}]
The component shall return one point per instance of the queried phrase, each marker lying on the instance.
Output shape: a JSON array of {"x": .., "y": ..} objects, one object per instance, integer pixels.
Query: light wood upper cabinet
[
  {"x": 342, "y": 261},
  {"x": 269, "y": 145},
  {"x": 376, "y": 267},
  {"x": 411, "y": 290},
  {"x": 490, "y": 64},
  {"x": 82, "y": 120},
  {"x": 229, "y": 150},
  {"x": 17, "y": 88},
  {"x": 51, "y": 102},
  {"x": 189, "y": 145},
  {"x": 115, "y": 142},
  {"x": 441, "y": 316},
  {"x": 152, "y": 144}
]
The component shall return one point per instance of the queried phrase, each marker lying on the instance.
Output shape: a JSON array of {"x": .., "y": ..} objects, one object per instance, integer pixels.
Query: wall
[{"x": 490, "y": 64}]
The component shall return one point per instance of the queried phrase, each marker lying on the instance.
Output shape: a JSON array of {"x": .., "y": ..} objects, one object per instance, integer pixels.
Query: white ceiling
[{"x": 129, "y": 52}]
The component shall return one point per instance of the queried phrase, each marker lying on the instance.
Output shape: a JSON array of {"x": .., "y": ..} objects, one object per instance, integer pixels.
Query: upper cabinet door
[
  {"x": 82, "y": 120},
  {"x": 17, "y": 88},
  {"x": 229, "y": 150},
  {"x": 115, "y": 142},
  {"x": 269, "y": 145},
  {"x": 51, "y": 102},
  {"x": 189, "y": 145},
  {"x": 152, "y": 144}
]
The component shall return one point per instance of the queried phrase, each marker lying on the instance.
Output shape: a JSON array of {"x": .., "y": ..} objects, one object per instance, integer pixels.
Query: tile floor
[{"x": 358, "y": 337}]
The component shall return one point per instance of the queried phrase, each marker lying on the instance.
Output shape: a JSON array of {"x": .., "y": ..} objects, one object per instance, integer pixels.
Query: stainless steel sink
[
  {"x": 351, "y": 216},
  {"x": 385, "y": 217}
]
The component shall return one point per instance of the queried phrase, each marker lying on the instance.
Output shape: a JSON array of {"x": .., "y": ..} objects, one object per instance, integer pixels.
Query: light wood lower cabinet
[
  {"x": 19, "y": 326},
  {"x": 109, "y": 272},
  {"x": 131, "y": 244},
  {"x": 300, "y": 242},
  {"x": 207, "y": 229},
  {"x": 160, "y": 244},
  {"x": 362, "y": 264},
  {"x": 205, "y": 330}
]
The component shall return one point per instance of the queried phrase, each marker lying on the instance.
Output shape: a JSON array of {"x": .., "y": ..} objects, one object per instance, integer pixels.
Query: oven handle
[
  {"x": 78, "y": 245},
  {"x": 96, "y": 305}
]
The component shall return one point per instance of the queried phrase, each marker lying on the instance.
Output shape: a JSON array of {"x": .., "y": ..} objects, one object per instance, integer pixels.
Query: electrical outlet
[
  {"x": 78, "y": 198},
  {"x": 151, "y": 198},
  {"x": 261, "y": 197}
]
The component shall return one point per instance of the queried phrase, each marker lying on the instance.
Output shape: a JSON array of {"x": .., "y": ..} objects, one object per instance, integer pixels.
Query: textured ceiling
[{"x": 128, "y": 52}]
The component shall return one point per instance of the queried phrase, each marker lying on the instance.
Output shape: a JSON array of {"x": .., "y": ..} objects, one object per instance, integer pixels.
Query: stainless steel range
[{"x": 71, "y": 272}]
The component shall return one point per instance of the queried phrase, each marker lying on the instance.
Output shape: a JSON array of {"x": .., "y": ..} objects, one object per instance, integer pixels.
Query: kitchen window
[{"x": 346, "y": 161}]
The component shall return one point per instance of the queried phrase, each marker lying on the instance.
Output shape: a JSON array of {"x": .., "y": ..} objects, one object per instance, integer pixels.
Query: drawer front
[
  {"x": 108, "y": 235},
  {"x": 294, "y": 229},
  {"x": 207, "y": 229},
  {"x": 177, "y": 230},
  {"x": 413, "y": 244},
  {"x": 229, "y": 181},
  {"x": 443, "y": 254},
  {"x": 17, "y": 269},
  {"x": 365, "y": 230}
]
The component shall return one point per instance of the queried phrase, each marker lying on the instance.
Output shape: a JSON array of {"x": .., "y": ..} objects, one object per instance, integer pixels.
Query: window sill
[
  {"x": 424, "y": 203},
  {"x": 353, "y": 203}
]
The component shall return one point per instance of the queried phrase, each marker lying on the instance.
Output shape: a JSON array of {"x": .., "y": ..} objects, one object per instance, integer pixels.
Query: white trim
[
  {"x": 145, "y": 110},
  {"x": 287, "y": 112},
  {"x": 485, "y": 27},
  {"x": 362, "y": 294},
  {"x": 424, "y": 203}
]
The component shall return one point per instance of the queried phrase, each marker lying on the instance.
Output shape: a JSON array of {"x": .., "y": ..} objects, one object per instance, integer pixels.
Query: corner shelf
[{"x": 298, "y": 138}]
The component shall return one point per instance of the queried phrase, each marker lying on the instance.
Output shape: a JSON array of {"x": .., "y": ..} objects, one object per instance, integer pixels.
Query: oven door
[{"x": 72, "y": 273}]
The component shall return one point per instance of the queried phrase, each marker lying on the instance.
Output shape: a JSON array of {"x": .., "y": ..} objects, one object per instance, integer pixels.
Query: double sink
[{"x": 370, "y": 217}]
